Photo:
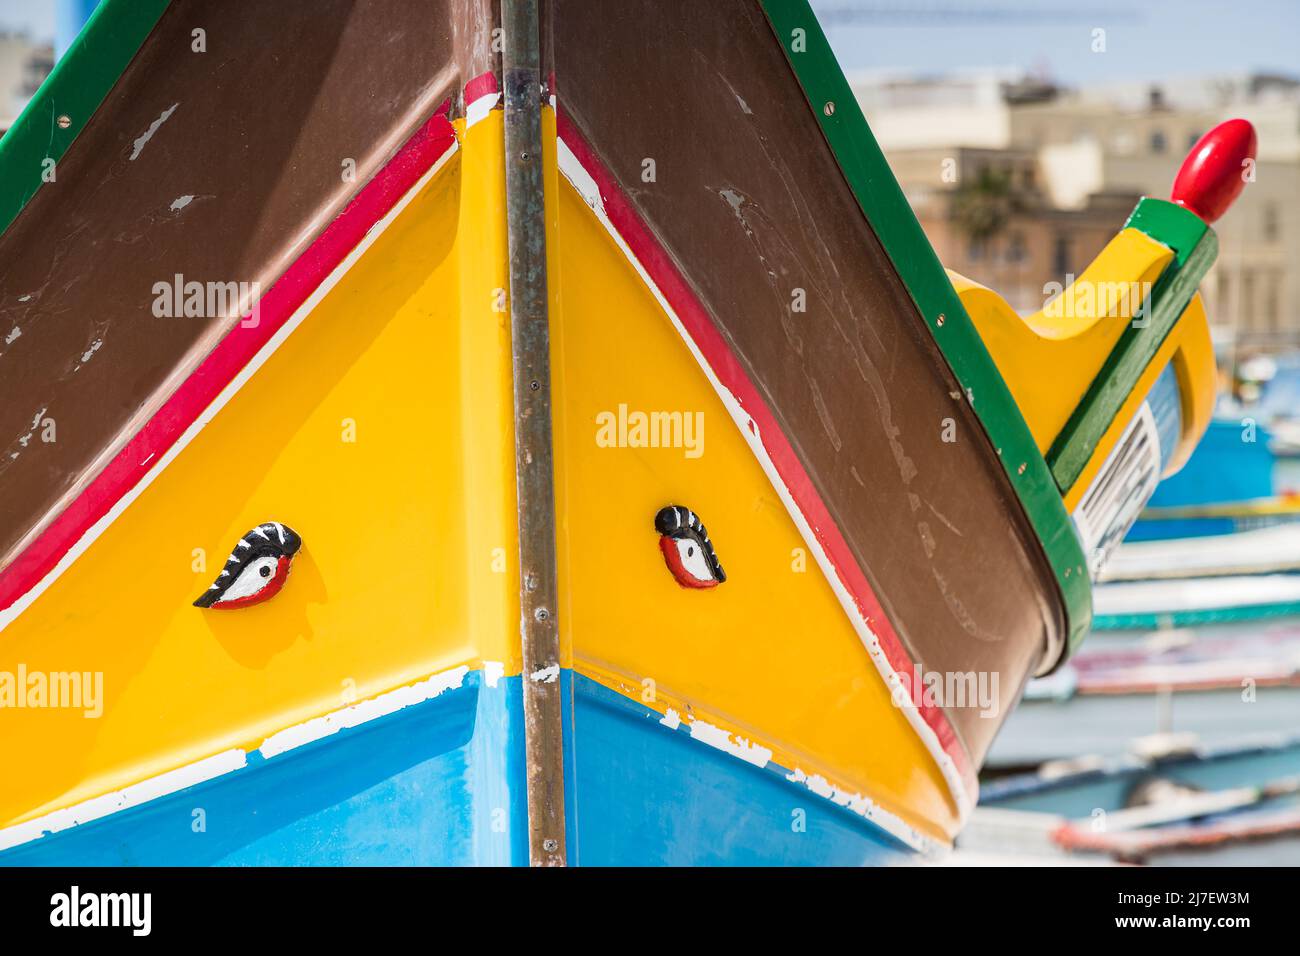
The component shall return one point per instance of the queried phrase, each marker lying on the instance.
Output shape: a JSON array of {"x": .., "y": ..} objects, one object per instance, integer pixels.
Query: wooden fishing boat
[
  {"x": 1272, "y": 550},
  {"x": 1210, "y": 806},
  {"x": 436, "y": 304},
  {"x": 1182, "y": 602},
  {"x": 1228, "y": 486},
  {"x": 1216, "y": 685}
]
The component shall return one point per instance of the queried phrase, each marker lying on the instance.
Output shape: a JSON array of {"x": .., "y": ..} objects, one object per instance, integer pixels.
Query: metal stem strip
[{"x": 534, "y": 474}]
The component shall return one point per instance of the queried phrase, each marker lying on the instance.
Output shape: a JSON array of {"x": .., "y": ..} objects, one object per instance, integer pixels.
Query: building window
[
  {"x": 1272, "y": 226},
  {"x": 1273, "y": 306},
  {"x": 1250, "y": 319},
  {"x": 1158, "y": 142},
  {"x": 1061, "y": 256},
  {"x": 1016, "y": 247}
]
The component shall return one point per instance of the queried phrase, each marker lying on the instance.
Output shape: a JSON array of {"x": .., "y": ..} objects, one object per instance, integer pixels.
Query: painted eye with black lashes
[
  {"x": 686, "y": 548},
  {"x": 256, "y": 569}
]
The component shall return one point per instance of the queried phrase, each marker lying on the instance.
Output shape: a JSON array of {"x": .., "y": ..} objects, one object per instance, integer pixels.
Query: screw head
[
  {"x": 64, "y": 121},
  {"x": 829, "y": 108},
  {"x": 542, "y": 614},
  {"x": 550, "y": 846}
]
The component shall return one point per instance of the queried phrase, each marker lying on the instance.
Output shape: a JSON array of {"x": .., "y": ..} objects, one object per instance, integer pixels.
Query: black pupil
[
  {"x": 690, "y": 552},
  {"x": 264, "y": 570}
]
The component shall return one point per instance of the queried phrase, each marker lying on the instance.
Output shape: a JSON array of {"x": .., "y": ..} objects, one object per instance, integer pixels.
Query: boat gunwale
[{"x": 891, "y": 218}]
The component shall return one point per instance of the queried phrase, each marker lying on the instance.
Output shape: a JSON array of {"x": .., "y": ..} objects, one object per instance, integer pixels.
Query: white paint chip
[
  {"x": 384, "y": 704},
  {"x": 547, "y": 675},
  {"x": 148, "y": 134},
  {"x": 721, "y": 739},
  {"x": 180, "y": 202},
  {"x": 493, "y": 671}
]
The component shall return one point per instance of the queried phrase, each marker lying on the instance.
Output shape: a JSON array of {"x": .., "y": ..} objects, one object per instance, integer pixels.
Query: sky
[
  {"x": 1145, "y": 39},
  {"x": 35, "y": 17}
]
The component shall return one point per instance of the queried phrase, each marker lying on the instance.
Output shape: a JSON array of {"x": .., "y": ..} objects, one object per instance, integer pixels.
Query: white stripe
[
  {"x": 209, "y": 768},
  {"x": 366, "y": 710},
  {"x": 173, "y": 781},
  {"x": 478, "y": 111},
  {"x": 9, "y": 614},
  {"x": 585, "y": 184}
]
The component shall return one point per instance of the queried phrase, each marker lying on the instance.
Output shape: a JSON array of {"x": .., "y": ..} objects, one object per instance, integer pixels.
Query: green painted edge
[
  {"x": 75, "y": 88},
  {"x": 1195, "y": 247},
  {"x": 890, "y": 216},
  {"x": 1147, "y": 621}
]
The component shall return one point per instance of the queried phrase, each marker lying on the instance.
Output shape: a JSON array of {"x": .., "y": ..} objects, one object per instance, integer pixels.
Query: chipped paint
[
  {"x": 133, "y": 796},
  {"x": 359, "y": 713},
  {"x": 180, "y": 202},
  {"x": 723, "y": 740},
  {"x": 547, "y": 675},
  {"x": 760, "y": 756},
  {"x": 493, "y": 671},
  {"x": 139, "y": 144},
  {"x": 868, "y": 809},
  {"x": 13, "y": 334}
]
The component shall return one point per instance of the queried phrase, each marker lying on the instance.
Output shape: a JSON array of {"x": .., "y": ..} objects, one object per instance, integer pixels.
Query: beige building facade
[{"x": 1092, "y": 150}]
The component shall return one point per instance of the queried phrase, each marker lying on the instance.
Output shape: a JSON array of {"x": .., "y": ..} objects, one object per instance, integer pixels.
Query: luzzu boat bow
[{"x": 498, "y": 309}]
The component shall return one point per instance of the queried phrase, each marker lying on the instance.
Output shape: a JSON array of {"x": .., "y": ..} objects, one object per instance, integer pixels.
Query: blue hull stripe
[{"x": 441, "y": 782}]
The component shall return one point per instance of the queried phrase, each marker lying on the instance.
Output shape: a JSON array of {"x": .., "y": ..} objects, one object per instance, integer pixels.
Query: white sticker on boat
[{"x": 1123, "y": 485}]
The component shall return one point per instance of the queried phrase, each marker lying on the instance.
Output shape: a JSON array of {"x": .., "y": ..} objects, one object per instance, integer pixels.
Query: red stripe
[
  {"x": 482, "y": 85},
  {"x": 230, "y": 355},
  {"x": 726, "y": 365}
]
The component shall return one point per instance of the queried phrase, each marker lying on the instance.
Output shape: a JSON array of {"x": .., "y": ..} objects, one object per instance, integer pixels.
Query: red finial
[{"x": 1215, "y": 171}]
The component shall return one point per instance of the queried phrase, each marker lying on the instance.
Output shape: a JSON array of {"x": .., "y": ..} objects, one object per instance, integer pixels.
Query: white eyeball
[{"x": 252, "y": 579}]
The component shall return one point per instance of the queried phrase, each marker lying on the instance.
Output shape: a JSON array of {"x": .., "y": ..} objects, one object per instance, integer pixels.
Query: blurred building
[
  {"x": 1076, "y": 161},
  {"x": 24, "y": 64}
]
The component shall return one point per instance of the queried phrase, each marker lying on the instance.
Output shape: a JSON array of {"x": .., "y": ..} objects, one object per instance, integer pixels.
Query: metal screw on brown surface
[
  {"x": 550, "y": 846},
  {"x": 542, "y": 614},
  {"x": 64, "y": 121},
  {"x": 829, "y": 108}
]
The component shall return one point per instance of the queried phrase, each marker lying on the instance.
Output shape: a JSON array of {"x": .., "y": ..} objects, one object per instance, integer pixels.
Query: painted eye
[
  {"x": 686, "y": 548},
  {"x": 692, "y": 558},
  {"x": 256, "y": 569}
]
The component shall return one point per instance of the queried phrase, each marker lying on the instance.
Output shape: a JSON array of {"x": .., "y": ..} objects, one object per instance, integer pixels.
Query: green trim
[
  {"x": 1146, "y": 621},
  {"x": 75, "y": 88},
  {"x": 1195, "y": 247},
  {"x": 891, "y": 217}
]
